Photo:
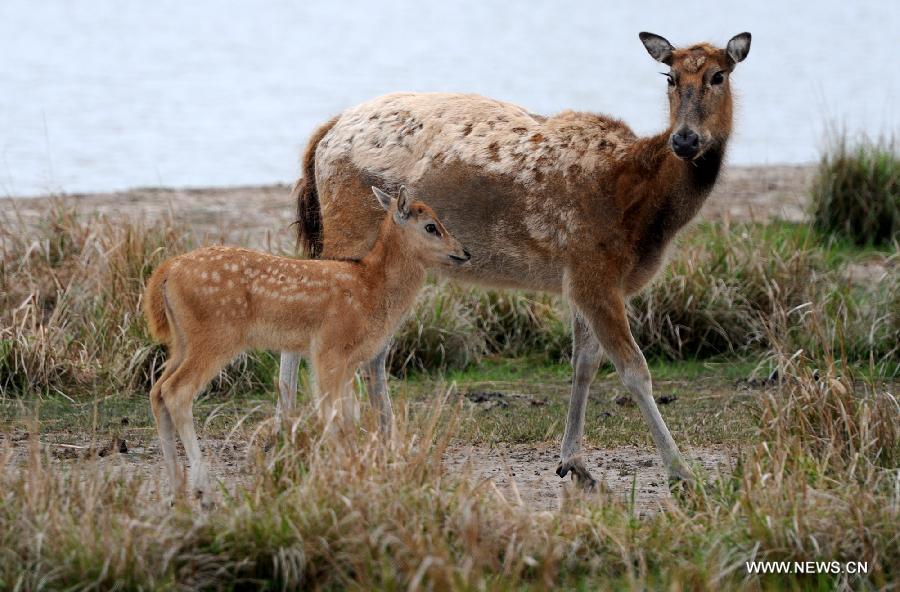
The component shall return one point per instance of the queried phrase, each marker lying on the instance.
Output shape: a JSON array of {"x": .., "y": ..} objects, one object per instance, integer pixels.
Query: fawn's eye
[
  {"x": 717, "y": 78},
  {"x": 432, "y": 229},
  {"x": 669, "y": 78}
]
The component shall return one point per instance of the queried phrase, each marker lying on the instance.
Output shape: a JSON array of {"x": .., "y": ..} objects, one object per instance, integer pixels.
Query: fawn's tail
[{"x": 155, "y": 304}]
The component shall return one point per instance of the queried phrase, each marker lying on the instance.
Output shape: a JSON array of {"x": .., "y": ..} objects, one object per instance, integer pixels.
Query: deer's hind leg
[
  {"x": 586, "y": 357},
  {"x": 288, "y": 371},
  {"x": 333, "y": 389}
]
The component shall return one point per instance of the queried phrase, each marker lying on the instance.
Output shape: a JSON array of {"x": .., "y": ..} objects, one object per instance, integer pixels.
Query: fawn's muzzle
[{"x": 464, "y": 259}]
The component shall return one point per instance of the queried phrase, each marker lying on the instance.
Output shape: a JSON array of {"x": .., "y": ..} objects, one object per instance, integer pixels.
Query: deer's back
[{"x": 517, "y": 189}]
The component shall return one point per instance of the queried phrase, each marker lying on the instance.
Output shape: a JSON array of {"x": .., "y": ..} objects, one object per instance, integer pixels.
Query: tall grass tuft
[
  {"x": 856, "y": 190},
  {"x": 70, "y": 317},
  {"x": 452, "y": 327},
  {"x": 70, "y": 312}
]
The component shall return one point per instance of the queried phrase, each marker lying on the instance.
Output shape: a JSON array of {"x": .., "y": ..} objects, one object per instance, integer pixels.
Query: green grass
[{"x": 711, "y": 408}]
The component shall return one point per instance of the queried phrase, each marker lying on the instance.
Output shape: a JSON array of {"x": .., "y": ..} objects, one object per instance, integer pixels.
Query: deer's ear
[
  {"x": 658, "y": 47},
  {"x": 738, "y": 47},
  {"x": 383, "y": 198},
  {"x": 403, "y": 203}
]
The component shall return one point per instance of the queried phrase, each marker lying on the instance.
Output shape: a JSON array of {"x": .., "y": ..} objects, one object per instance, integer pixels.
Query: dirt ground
[
  {"x": 522, "y": 473},
  {"x": 261, "y": 216}
]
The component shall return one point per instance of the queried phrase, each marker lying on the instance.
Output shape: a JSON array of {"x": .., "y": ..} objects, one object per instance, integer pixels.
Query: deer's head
[{"x": 700, "y": 103}]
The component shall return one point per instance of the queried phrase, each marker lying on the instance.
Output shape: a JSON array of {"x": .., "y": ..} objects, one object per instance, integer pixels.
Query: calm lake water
[{"x": 102, "y": 94}]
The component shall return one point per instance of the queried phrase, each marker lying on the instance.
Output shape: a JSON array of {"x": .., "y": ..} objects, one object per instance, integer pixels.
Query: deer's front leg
[
  {"x": 377, "y": 387},
  {"x": 604, "y": 310}
]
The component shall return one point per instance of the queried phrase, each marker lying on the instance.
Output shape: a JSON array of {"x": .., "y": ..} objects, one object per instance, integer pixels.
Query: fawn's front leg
[{"x": 333, "y": 378}]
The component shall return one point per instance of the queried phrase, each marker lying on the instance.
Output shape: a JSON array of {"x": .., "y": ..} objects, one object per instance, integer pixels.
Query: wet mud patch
[{"x": 527, "y": 472}]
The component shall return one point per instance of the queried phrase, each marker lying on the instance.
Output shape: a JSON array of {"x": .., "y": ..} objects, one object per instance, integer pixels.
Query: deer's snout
[{"x": 686, "y": 143}]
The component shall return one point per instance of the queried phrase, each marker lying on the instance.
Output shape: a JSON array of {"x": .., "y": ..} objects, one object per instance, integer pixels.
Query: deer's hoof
[
  {"x": 680, "y": 486},
  {"x": 580, "y": 475}
]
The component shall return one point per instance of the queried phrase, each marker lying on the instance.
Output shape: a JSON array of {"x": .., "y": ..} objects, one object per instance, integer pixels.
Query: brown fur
[
  {"x": 155, "y": 305},
  {"x": 211, "y": 304},
  {"x": 574, "y": 203}
]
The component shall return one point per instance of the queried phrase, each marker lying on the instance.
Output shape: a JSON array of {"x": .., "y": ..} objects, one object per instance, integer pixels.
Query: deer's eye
[
  {"x": 432, "y": 229},
  {"x": 717, "y": 78}
]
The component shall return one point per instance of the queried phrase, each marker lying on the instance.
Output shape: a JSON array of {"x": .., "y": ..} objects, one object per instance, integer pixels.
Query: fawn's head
[
  {"x": 425, "y": 235},
  {"x": 700, "y": 103}
]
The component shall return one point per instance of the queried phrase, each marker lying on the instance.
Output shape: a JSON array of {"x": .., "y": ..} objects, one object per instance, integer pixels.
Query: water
[{"x": 99, "y": 95}]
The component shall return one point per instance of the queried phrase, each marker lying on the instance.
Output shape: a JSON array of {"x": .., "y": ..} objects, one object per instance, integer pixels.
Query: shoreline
[{"x": 263, "y": 214}]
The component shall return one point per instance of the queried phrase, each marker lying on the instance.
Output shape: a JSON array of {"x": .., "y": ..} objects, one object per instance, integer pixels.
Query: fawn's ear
[
  {"x": 403, "y": 203},
  {"x": 383, "y": 198},
  {"x": 658, "y": 47}
]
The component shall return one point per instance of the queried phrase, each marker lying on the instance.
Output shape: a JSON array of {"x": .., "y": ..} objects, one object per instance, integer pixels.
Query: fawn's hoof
[{"x": 580, "y": 475}]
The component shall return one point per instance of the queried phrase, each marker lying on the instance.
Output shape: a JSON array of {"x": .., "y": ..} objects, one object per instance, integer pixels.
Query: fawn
[{"x": 211, "y": 304}]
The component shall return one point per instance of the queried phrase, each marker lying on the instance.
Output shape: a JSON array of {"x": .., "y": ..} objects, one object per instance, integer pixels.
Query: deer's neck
[
  {"x": 669, "y": 193},
  {"x": 392, "y": 275},
  {"x": 673, "y": 189}
]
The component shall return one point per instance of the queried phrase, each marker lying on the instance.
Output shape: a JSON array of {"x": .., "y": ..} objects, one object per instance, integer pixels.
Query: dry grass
[
  {"x": 70, "y": 314},
  {"x": 821, "y": 483}
]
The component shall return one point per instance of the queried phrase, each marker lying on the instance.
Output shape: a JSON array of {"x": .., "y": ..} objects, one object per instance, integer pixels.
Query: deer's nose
[{"x": 685, "y": 143}]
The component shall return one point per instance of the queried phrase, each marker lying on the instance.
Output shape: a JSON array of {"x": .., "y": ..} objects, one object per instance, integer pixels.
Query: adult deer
[{"x": 574, "y": 203}]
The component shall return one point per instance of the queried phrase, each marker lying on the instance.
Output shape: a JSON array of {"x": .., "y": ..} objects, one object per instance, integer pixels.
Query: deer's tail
[{"x": 309, "y": 214}]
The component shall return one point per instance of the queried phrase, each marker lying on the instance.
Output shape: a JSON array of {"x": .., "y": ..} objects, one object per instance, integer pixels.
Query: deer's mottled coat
[{"x": 575, "y": 203}]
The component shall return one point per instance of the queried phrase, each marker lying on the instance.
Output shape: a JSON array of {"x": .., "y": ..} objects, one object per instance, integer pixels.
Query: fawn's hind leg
[
  {"x": 178, "y": 393},
  {"x": 165, "y": 427}
]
